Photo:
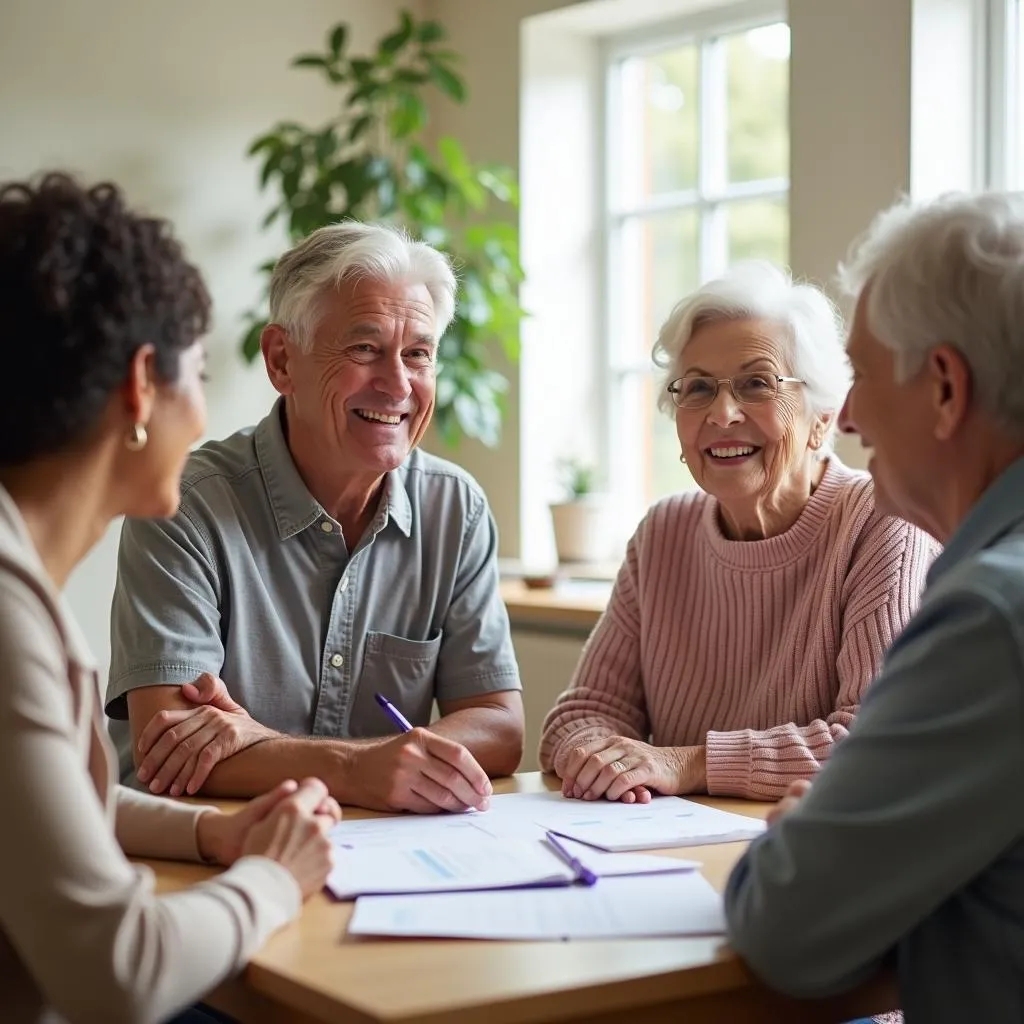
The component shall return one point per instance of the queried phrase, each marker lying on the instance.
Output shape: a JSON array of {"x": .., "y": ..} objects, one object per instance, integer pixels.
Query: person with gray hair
[
  {"x": 909, "y": 847},
  {"x": 749, "y": 616},
  {"x": 325, "y": 581}
]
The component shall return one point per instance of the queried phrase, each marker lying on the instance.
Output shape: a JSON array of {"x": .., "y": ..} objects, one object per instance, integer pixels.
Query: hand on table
[
  {"x": 796, "y": 792},
  {"x": 417, "y": 771},
  {"x": 289, "y": 824},
  {"x": 181, "y": 748},
  {"x": 619, "y": 768}
]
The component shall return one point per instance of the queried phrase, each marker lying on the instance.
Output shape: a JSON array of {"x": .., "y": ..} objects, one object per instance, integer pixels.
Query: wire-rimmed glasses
[{"x": 747, "y": 388}]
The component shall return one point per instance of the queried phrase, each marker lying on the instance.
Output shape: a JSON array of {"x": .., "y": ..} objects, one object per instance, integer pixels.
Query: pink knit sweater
[{"x": 760, "y": 650}]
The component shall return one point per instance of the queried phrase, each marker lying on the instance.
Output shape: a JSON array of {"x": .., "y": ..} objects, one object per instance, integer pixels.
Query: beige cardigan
[{"x": 83, "y": 938}]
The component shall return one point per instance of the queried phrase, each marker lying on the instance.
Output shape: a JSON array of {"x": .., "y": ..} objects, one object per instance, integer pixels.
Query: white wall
[{"x": 164, "y": 98}]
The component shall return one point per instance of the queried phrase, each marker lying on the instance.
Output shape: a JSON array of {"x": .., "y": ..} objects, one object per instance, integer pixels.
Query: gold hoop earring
[{"x": 137, "y": 438}]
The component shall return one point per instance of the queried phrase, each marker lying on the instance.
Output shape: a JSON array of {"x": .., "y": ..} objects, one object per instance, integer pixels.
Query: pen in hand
[
  {"x": 393, "y": 713},
  {"x": 583, "y": 873}
]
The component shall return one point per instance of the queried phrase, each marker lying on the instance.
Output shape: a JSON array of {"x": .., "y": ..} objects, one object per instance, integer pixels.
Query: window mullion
[{"x": 713, "y": 164}]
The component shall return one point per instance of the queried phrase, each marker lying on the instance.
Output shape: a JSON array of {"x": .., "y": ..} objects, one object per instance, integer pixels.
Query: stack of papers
[
  {"x": 451, "y": 875},
  {"x": 647, "y": 906}
]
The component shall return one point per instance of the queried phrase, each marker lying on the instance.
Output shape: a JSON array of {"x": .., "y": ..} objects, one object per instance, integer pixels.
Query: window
[
  {"x": 697, "y": 177},
  {"x": 1004, "y": 58}
]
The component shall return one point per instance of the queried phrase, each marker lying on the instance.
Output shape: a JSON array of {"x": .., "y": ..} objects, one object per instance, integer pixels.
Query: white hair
[
  {"x": 950, "y": 271},
  {"x": 759, "y": 290},
  {"x": 350, "y": 251}
]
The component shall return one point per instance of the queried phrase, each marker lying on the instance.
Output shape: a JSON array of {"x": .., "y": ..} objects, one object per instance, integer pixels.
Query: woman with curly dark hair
[{"x": 102, "y": 316}]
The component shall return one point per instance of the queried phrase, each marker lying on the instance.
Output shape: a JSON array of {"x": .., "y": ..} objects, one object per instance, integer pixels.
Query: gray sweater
[{"x": 911, "y": 843}]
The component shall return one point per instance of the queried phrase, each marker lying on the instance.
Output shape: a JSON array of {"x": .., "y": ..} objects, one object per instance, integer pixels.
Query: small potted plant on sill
[{"x": 580, "y": 522}]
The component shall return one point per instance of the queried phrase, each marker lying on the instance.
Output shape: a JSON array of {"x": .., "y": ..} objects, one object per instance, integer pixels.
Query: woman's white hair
[
  {"x": 812, "y": 330},
  {"x": 950, "y": 271},
  {"x": 350, "y": 251}
]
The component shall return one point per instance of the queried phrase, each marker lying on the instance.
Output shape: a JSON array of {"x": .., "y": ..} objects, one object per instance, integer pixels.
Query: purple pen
[
  {"x": 393, "y": 713},
  {"x": 583, "y": 873}
]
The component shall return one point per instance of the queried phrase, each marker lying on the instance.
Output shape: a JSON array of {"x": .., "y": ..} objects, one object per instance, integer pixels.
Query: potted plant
[
  {"x": 580, "y": 521},
  {"x": 371, "y": 162}
]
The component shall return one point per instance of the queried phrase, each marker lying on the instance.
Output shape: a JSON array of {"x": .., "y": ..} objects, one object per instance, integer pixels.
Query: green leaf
[
  {"x": 408, "y": 116},
  {"x": 365, "y": 92},
  {"x": 444, "y": 56},
  {"x": 251, "y": 340},
  {"x": 362, "y": 69},
  {"x": 325, "y": 146},
  {"x": 448, "y": 82},
  {"x": 431, "y": 32},
  {"x": 359, "y": 127},
  {"x": 406, "y": 76},
  {"x": 336, "y": 40},
  {"x": 269, "y": 168},
  {"x": 309, "y": 60},
  {"x": 267, "y": 141},
  {"x": 392, "y": 43}
]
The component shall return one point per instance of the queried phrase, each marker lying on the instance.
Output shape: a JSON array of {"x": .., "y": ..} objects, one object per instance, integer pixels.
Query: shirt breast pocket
[{"x": 403, "y": 671}]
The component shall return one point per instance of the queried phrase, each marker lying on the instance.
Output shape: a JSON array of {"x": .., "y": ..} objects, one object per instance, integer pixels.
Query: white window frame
[
  {"x": 710, "y": 199},
  {"x": 1003, "y": 114}
]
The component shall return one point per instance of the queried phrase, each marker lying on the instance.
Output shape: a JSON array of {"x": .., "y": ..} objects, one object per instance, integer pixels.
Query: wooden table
[
  {"x": 312, "y": 971},
  {"x": 557, "y": 608}
]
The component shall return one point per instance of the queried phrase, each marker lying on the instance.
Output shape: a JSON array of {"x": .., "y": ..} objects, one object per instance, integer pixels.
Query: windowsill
[{"x": 572, "y": 606}]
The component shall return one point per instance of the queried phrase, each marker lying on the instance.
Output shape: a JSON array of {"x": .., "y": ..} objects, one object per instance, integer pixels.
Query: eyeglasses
[{"x": 747, "y": 388}]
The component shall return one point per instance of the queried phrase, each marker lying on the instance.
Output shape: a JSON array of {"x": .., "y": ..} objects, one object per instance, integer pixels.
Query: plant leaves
[
  {"x": 408, "y": 116},
  {"x": 359, "y": 127},
  {"x": 431, "y": 32},
  {"x": 448, "y": 82},
  {"x": 394, "y": 42},
  {"x": 336, "y": 40},
  {"x": 362, "y": 69},
  {"x": 310, "y": 60},
  {"x": 250, "y": 345}
]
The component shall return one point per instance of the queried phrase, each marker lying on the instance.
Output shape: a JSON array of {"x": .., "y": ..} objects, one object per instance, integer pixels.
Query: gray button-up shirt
[
  {"x": 911, "y": 840},
  {"x": 253, "y": 581}
]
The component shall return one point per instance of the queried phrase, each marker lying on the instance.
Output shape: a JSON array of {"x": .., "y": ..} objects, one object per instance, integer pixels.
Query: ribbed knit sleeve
[{"x": 605, "y": 697}]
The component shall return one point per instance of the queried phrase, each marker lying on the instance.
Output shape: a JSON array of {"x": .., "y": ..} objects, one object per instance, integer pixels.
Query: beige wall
[{"x": 163, "y": 98}]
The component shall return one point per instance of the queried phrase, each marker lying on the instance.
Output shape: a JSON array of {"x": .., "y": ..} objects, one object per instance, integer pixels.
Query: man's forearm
[
  {"x": 263, "y": 765},
  {"x": 494, "y": 736}
]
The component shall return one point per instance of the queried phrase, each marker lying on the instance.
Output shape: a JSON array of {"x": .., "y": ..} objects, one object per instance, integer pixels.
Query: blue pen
[
  {"x": 583, "y": 873},
  {"x": 393, "y": 713}
]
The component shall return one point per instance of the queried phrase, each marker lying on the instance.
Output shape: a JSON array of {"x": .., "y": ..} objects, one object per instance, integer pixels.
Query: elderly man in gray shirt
[
  {"x": 909, "y": 846},
  {"x": 320, "y": 560}
]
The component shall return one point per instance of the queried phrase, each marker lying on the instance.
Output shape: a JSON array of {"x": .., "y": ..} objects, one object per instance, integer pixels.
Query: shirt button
[
  {"x": 337, "y": 660},
  {"x": 327, "y": 526},
  {"x": 344, "y": 584}
]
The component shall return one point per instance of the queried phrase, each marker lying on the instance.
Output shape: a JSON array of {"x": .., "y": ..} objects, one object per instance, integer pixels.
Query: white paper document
[
  {"x": 664, "y": 823},
  {"x": 481, "y": 863},
  {"x": 614, "y": 865},
  {"x": 645, "y": 906}
]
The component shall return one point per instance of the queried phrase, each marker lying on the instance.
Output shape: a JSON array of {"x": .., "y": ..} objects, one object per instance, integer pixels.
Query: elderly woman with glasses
[{"x": 750, "y": 615}]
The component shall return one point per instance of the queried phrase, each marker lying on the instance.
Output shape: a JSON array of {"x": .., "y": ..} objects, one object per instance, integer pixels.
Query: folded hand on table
[
  {"x": 288, "y": 824},
  {"x": 619, "y": 768},
  {"x": 181, "y": 748}
]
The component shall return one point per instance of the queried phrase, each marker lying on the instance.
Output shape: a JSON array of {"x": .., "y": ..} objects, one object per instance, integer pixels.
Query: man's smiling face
[{"x": 366, "y": 387}]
